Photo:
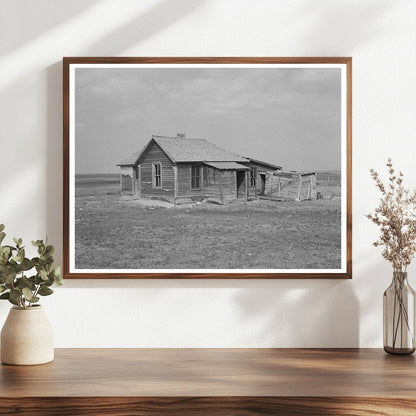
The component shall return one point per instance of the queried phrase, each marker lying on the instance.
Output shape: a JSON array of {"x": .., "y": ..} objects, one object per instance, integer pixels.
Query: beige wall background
[{"x": 380, "y": 35}]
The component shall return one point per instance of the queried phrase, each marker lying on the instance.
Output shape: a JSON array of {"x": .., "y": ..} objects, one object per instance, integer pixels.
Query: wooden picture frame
[{"x": 302, "y": 106}]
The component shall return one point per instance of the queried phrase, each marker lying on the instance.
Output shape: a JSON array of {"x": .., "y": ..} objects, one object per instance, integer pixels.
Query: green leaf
[
  {"x": 2, "y": 288},
  {"x": 21, "y": 255},
  {"x": 47, "y": 283},
  {"x": 2, "y": 227},
  {"x": 49, "y": 250},
  {"x": 43, "y": 274},
  {"x": 37, "y": 243},
  {"x": 45, "y": 291},
  {"x": 13, "y": 302},
  {"x": 7, "y": 296},
  {"x": 5, "y": 250},
  {"x": 38, "y": 280},
  {"x": 35, "y": 261},
  {"x": 11, "y": 248},
  {"x": 41, "y": 249},
  {"x": 24, "y": 282},
  {"x": 9, "y": 277},
  {"x": 28, "y": 294},
  {"x": 4, "y": 255},
  {"x": 26, "y": 264},
  {"x": 48, "y": 260},
  {"x": 2, "y": 236},
  {"x": 15, "y": 294}
]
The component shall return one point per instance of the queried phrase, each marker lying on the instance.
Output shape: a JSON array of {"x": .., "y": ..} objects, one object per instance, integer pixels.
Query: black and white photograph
[{"x": 207, "y": 169}]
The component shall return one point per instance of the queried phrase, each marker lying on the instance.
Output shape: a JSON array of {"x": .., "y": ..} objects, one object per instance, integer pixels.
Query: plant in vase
[
  {"x": 27, "y": 336},
  {"x": 396, "y": 218}
]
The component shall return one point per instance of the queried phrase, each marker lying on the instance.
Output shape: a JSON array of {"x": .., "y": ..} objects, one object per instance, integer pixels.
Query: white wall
[{"x": 380, "y": 35}]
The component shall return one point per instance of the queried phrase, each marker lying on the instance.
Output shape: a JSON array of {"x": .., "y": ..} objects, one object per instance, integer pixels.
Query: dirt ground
[{"x": 117, "y": 232}]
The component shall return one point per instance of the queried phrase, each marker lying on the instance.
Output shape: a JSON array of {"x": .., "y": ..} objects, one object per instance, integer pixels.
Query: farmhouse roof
[
  {"x": 226, "y": 165},
  {"x": 187, "y": 150},
  {"x": 266, "y": 164},
  {"x": 292, "y": 173},
  {"x": 131, "y": 160},
  {"x": 195, "y": 150}
]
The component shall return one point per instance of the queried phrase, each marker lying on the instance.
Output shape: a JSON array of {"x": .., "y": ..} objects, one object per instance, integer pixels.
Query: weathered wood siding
[
  {"x": 223, "y": 189},
  {"x": 184, "y": 183},
  {"x": 252, "y": 192},
  {"x": 154, "y": 154},
  {"x": 212, "y": 188},
  {"x": 298, "y": 187},
  {"x": 308, "y": 187},
  {"x": 260, "y": 169},
  {"x": 228, "y": 185},
  {"x": 126, "y": 177}
]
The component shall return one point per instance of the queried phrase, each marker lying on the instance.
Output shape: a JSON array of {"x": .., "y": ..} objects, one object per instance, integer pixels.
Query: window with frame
[
  {"x": 210, "y": 176},
  {"x": 195, "y": 177},
  {"x": 157, "y": 175},
  {"x": 253, "y": 177}
]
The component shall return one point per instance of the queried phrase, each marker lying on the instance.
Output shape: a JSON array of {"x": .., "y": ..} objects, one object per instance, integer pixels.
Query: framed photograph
[{"x": 207, "y": 168}]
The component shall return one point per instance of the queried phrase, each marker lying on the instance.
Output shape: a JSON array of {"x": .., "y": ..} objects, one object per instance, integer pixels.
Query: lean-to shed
[{"x": 292, "y": 185}]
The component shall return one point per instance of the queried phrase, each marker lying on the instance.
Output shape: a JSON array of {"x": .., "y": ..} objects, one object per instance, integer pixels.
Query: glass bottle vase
[{"x": 399, "y": 316}]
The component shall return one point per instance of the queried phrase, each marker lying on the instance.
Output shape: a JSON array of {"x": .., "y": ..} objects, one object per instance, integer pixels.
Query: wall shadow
[
  {"x": 339, "y": 35},
  {"x": 44, "y": 16},
  {"x": 301, "y": 313},
  {"x": 155, "y": 19},
  {"x": 54, "y": 146}
]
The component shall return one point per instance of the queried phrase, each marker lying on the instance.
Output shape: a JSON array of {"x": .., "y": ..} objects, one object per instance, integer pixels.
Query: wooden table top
[{"x": 214, "y": 372}]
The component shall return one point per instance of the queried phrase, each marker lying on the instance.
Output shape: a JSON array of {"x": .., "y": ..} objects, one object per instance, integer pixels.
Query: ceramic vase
[{"x": 27, "y": 337}]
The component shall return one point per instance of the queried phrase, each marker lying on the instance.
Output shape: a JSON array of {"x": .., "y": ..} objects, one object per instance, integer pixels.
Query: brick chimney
[{"x": 180, "y": 135}]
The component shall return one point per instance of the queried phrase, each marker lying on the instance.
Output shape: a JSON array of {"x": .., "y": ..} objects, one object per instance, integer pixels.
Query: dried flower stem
[{"x": 396, "y": 217}]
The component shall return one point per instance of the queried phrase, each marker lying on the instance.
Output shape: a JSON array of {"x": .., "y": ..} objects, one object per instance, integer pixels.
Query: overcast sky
[{"x": 290, "y": 117}]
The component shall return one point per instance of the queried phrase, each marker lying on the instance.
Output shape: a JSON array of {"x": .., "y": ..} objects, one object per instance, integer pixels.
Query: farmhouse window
[
  {"x": 210, "y": 176},
  {"x": 195, "y": 177},
  {"x": 157, "y": 175},
  {"x": 253, "y": 177}
]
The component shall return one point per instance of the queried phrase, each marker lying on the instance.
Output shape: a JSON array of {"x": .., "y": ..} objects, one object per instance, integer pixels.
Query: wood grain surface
[
  {"x": 212, "y": 381},
  {"x": 208, "y": 406}
]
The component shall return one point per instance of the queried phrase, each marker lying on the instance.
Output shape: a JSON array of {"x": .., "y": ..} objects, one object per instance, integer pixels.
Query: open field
[{"x": 122, "y": 232}]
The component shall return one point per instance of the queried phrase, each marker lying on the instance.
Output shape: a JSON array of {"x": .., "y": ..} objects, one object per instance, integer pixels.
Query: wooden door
[
  {"x": 241, "y": 184},
  {"x": 262, "y": 183}
]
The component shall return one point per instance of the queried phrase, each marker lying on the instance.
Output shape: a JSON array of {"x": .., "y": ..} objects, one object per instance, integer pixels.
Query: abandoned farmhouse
[{"x": 180, "y": 170}]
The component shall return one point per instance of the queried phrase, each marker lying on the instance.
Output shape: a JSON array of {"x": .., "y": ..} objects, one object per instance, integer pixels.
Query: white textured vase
[{"x": 27, "y": 337}]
